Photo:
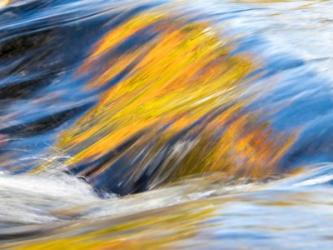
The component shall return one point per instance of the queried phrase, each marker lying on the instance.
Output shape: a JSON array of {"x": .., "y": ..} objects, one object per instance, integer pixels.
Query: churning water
[{"x": 202, "y": 124}]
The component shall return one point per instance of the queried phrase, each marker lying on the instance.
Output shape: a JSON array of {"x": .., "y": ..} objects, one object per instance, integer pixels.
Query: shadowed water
[{"x": 165, "y": 124}]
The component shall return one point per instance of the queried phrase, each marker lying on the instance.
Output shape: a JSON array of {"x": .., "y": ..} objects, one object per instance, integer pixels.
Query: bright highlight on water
[{"x": 166, "y": 124}]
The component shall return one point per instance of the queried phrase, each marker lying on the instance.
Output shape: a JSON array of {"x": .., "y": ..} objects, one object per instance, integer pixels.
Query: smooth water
[{"x": 166, "y": 124}]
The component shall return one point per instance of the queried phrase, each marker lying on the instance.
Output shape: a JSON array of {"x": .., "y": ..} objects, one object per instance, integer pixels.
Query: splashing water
[{"x": 165, "y": 124}]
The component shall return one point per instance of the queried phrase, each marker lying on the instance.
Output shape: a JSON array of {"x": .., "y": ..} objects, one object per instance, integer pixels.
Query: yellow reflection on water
[
  {"x": 156, "y": 229},
  {"x": 183, "y": 74},
  {"x": 4, "y": 3}
]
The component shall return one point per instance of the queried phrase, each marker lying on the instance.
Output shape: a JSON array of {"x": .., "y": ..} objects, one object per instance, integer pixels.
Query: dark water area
[{"x": 166, "y": 124}]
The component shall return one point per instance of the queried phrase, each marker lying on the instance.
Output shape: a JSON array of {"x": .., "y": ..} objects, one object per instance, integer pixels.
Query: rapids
[{"x": 166, "y": 124}]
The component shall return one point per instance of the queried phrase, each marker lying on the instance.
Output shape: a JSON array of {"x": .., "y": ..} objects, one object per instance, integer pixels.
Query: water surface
[{"x": 166, "y": 124}]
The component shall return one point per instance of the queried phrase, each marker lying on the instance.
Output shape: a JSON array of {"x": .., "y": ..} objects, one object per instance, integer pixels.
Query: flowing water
[{"x": 180, "y": 124}]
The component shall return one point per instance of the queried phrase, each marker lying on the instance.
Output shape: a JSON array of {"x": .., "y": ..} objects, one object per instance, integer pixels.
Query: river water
[{"x": 180, "y": 124}]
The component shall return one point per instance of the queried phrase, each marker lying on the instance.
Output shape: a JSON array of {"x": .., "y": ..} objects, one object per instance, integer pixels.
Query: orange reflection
[{"x": 184, "y": 73}]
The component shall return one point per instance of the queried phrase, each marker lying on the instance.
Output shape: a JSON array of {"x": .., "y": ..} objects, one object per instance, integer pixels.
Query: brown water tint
[{"x": 202, "y": 105}]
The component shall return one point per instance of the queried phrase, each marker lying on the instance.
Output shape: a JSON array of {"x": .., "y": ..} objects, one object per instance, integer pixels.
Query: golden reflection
[
  {"x": 157, "y": 229},
  {"x": 4, "y": 3},
  {"x": 184, "y": 73}
]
